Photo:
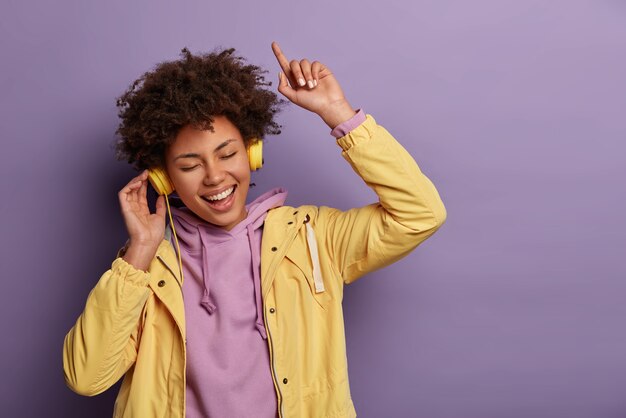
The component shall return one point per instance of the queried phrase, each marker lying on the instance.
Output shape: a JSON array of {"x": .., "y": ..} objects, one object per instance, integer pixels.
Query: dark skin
[
  {"x": 318, "y": 91},
  {"x": 310, "y": 85}
]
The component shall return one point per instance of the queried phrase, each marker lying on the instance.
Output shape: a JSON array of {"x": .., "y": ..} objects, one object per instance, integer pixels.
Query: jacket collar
[{"x": 283, "y": 225}]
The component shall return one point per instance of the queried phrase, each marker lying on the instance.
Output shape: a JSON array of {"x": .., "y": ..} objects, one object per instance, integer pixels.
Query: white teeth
[{"x": 222, "y": 195}]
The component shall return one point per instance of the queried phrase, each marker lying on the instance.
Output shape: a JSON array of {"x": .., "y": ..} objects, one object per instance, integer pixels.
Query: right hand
[{"x": 145, "y": 229}]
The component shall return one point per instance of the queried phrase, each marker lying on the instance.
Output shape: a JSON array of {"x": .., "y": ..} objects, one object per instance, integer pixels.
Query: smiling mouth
[
  {"x": 220, "y": 196},
  {"x": 225, "y": 202}
]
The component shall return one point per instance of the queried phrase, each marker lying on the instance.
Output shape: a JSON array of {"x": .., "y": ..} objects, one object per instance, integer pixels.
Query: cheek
[
  {"x": 185, "y": 185},
  {"x": 242, "y": 171},
  {"x": 245, "y": 174}
]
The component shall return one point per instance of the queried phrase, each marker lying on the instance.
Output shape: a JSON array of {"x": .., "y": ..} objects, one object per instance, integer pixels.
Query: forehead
[{"x": 191, "y": 138}]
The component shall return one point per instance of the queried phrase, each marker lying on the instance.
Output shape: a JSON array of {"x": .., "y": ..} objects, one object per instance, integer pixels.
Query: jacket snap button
[
  {"x": 272, "y": 310},
  {"x": 162, "y": 283},
  {"x": 274, "y": 249},
  {"x": 295, "y": 212},
  {"x": 289, "y": 223},
  {"x": 285, "y": 380},
  {"x": 307, "y": 219}
]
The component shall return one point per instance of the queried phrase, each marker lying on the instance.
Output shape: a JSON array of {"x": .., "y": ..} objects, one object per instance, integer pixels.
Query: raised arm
[{"x": 409, "y": 208}]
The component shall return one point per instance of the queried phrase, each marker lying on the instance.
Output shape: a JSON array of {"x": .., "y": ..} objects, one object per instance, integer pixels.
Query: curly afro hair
[{"x": 192, "y": 91}]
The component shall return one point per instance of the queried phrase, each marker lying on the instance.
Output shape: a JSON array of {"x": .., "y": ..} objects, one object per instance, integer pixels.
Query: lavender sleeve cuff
[{"x": 345, "y": 127}]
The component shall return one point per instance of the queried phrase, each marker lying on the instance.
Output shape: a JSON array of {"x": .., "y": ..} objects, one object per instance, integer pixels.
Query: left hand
[{"x": 326, "y": 98}]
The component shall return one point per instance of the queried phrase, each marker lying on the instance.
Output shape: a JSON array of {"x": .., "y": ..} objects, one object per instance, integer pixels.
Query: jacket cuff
[
  {"x": 129, "y": 273},
  {"x": 361, "y": 133},
  {"x": 345, "y": 127}
]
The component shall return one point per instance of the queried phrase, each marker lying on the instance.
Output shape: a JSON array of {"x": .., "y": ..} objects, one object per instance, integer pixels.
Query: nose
[{"x": 214, "y": 174}]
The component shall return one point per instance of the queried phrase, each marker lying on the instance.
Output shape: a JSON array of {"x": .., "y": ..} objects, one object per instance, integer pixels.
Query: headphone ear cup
[
  {"x": 255, "y": 154},
  {"x": 160, "y": 181}
]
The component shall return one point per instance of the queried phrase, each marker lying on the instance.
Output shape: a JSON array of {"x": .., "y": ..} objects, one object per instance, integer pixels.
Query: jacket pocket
[{"x": 300, "y": 258}]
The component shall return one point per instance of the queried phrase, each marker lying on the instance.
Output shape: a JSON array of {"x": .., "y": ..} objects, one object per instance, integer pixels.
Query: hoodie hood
[{"x": 196, "y": 235}]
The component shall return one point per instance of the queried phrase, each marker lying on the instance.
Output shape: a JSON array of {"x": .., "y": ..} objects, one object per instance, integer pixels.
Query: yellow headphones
[{"x": 164, "y": 186}]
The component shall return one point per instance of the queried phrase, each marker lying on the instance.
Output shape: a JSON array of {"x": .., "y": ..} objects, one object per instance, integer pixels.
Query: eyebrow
[{"x": 196, "y": 155}]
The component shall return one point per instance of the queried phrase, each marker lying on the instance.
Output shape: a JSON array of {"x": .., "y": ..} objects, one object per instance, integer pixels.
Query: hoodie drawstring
[
  {"x": 254, "y": 250},
  {"x": 205, "y": 302}
]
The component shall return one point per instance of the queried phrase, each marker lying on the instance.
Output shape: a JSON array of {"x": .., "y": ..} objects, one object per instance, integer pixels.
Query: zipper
[
  {"x": 184, "y": 341},
  {"x": 281, "y": 414},
  {"x": 184, "y": 390},
  {"x": 274, "y": 377}
]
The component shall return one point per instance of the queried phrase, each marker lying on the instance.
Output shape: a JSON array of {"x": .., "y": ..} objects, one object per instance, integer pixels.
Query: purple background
[{"x": 514, "y": 109}]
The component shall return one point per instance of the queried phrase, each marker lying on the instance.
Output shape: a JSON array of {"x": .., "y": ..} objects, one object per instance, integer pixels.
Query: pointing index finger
[{"x": 282, "y": 60}]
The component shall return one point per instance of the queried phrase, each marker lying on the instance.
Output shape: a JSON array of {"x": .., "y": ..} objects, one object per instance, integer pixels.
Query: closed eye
[
  {"x": 226, "y": 157},
  {"x": 188, "y": 168}
]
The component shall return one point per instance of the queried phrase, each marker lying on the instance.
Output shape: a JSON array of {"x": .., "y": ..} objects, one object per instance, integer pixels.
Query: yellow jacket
[{"x": 133, "y": 323}]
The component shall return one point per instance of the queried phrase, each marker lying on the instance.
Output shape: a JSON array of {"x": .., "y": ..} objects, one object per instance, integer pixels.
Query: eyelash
[{"x": 226, "y": 157}]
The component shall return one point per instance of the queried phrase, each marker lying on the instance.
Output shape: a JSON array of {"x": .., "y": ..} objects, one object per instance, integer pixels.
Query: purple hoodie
[{"x": 228, "y": 365}]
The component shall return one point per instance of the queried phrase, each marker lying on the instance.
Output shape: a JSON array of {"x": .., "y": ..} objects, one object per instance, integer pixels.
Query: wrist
[
  {"x": 139, "y": 256},
  {"x": 337, "y": 113},
  {"x": 147, "y": 241}
]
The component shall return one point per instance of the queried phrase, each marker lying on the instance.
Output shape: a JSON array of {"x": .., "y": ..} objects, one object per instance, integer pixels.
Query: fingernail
[
  {"x": 315, "y": 81},
  {"x": 301, "y": 81},
  {"x": 310, "y": 84}
]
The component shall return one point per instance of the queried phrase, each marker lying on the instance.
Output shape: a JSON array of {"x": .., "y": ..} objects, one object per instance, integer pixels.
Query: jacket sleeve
[
  {"x": 409, "y": 209},
  {"x": 103, "y": 343}
]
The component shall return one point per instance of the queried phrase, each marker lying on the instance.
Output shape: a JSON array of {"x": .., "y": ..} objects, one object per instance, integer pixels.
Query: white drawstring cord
[{"x": 317, "y": 273}]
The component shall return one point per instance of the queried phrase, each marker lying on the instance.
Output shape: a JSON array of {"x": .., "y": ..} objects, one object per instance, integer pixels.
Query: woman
[{"x": 247, "y": 321}]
